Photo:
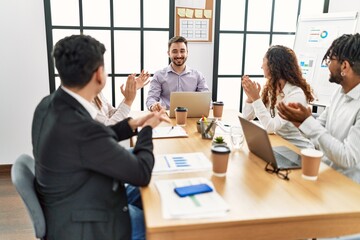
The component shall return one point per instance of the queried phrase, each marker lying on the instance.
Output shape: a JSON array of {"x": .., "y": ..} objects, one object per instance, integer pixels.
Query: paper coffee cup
[
  {"x": 218, "y": 109},
  {"x": 181, "y": 115},
  {"x": 310, "y": 161},
  {"x": 220, "y": 159}
]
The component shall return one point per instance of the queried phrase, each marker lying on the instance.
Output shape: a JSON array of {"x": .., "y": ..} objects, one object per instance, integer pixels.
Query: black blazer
[{"x": 76, "y": 162}]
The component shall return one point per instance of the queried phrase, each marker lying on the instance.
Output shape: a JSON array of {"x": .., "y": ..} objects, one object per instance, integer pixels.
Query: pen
[
  {"x": 172, "y": 127},
  {"x": 209, "y": 127}
]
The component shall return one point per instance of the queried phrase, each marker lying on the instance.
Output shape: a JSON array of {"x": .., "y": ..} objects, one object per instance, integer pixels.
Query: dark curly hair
[
  {"x": 77, "y": 57},
  {"x": 346, "y": 47},
  {"x": 283, "y": 64}
]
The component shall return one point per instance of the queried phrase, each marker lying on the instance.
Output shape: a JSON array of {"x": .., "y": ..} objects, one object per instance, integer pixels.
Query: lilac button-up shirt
[{"x": 167, "y": 80}]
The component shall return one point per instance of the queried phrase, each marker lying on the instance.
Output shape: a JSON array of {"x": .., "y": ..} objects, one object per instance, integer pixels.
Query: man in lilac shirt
[{"x": 177, "y": 77}]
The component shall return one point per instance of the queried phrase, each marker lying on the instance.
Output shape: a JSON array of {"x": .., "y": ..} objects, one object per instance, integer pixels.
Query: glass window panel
[
  {"x": 59, "y": 34},
  {"x": 126, "y": 13},
  {"x": 106, "y": 91},
  {"x": 256, "y": 23},
  {"x": 70, "y": 7},
  {"x": 156, "y": 13},
  {"x": 232, "y": 18},
  {"x": 256, "y": 47},
  {"x": 146, "y": 91},
  {"x": 286, "y": 40},
  {"x": 103, "y": 36},
  {"x": 311, "y": 7},
  {"x": 57, "y": 82},
  {"x": 127, "y": 51},
  {"x": 96, "y": 13},
  {"x": 155, "y": 50},
  {"x": 285, "y": 16},
  {"x": 226, "y": 86},
  {"x": 230, "y": 53}
]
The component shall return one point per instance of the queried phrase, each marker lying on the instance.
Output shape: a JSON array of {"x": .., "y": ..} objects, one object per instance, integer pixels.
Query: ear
[
  {"x": 99, "y": 75},
  {"x": 345, "y": 66}
]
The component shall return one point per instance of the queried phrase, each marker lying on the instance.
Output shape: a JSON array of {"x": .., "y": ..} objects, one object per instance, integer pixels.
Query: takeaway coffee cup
[
  {"x": 220, "y": 159},
  {"x": 218, "y": 109},
  {"x": 310, "y": 160},
  {"x": 181, "y": 115}
]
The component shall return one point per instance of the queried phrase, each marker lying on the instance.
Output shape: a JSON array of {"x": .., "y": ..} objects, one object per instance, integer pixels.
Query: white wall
[
  {"x": 344, "y": 6},
  {"x": 23, "y": 73},
  {"x": 201, "y": 58}
]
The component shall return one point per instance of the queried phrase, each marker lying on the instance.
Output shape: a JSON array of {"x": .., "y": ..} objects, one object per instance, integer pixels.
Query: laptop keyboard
[{"x": 291, "y": 160}]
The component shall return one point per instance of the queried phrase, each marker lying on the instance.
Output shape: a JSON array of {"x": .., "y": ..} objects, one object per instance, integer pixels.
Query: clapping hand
[
  {"x": 130, "y": 90},
  {"x": 152, "y": 119},
  {"x": 156, "y": 107},
  {"x": 251, "y": 89},
  {"x": 142, "y": 80},
  {"x": 293, "y": 112}
]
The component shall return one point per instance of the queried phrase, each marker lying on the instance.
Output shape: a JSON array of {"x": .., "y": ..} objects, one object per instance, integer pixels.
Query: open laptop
[
  {"x": 197, "y": 103},
  {"x": 258, "y": 142}
]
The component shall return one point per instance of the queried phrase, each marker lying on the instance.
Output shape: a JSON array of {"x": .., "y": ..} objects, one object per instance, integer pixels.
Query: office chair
[{"x": 22, "y": 176}]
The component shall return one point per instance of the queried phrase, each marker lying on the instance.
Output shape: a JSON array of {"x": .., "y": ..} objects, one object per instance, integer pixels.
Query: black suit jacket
[{"x": 77, "y": 160}]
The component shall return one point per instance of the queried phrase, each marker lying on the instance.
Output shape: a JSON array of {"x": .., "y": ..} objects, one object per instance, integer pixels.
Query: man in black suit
[{"x": 78, "y": 159}]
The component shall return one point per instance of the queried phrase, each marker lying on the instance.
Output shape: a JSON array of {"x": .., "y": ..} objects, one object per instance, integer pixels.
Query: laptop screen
[
  {"x": 258, "y": 143},
  {"x": 197, "y": 103}
]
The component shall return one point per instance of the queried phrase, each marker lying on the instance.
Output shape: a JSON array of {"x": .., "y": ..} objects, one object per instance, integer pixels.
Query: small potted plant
[{"x": 219, "y": 140}]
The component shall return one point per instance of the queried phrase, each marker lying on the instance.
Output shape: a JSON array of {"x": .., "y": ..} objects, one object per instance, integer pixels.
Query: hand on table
[{"x": 156, "y": 107}]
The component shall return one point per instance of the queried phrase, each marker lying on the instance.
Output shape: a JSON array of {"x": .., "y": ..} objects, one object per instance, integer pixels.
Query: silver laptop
[
  {"x": 258, "y": 142},
  {"x": 197, "y": 103}
]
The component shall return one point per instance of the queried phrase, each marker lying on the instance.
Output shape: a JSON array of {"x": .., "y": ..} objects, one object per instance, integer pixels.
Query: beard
[
  {"x": 179, "y": 61},
  {"x": 336, "y": 77}
]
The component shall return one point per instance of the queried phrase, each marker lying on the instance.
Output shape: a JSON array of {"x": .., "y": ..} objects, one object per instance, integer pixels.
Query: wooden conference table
[{"x": 262, "y": 206}]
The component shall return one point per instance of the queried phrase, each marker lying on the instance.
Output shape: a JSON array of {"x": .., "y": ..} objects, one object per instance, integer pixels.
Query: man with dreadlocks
[{"x": 336, "y": 131}]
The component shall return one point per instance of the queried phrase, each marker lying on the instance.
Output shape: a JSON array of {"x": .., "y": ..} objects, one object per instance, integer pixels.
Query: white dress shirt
[
  {"x": 85, "y": 103},
  {"x": 109, "y": 115},
  {"x": 336, "y": 132},
  {"x": 276, "y": 124}
]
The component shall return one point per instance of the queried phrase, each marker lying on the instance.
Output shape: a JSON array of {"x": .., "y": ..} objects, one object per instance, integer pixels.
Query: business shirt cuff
[{"x": 312, "y": 128}]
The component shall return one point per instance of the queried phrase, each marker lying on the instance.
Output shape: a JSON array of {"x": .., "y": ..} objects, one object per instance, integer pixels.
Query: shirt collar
[
  {"x": 170, "y": 69},
  {"x": 353, "y": 93},
  {"x": 287, "y": 88},
  {"x": 86, "y": 104}
]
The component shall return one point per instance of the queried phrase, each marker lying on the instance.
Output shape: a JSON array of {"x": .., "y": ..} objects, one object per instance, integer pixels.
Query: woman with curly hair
[{"x": 284, "y": 83}]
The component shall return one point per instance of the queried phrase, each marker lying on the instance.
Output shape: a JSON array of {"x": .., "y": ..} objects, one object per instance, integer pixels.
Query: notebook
[
  {"x": 197, "y": 103},
  {"x": 257, "y": 139}
]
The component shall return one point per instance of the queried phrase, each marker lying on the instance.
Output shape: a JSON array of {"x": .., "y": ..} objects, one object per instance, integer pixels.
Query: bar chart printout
[{"x": 168, "y": 163}]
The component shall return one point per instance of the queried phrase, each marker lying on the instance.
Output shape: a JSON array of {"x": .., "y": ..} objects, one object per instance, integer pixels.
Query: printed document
[
  {"x": 180, "y": 162},
  {"x": 203, "y": 205}
]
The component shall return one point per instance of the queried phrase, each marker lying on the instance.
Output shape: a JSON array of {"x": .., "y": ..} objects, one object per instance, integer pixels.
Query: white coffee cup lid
[{"x": 312, "y": 152}]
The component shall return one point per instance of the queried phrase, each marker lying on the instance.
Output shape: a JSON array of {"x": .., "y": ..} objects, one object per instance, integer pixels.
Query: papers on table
[
  {"x": 169, "y": 132},
  {"x": 172, "y": 163},
  {"x": 203, "y": 205}
]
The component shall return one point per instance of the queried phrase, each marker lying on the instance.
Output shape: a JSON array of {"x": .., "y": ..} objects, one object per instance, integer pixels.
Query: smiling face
[{"x": 178, "y": 53}]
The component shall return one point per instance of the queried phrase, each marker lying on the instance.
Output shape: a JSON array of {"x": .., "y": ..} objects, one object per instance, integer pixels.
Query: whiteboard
[{"x": 314, "y": 35}]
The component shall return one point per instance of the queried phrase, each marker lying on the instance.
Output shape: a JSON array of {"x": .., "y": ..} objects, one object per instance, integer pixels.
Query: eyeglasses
[
  {"x": 281, "y": 173},
  {"x": 328, "y": 60}
]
